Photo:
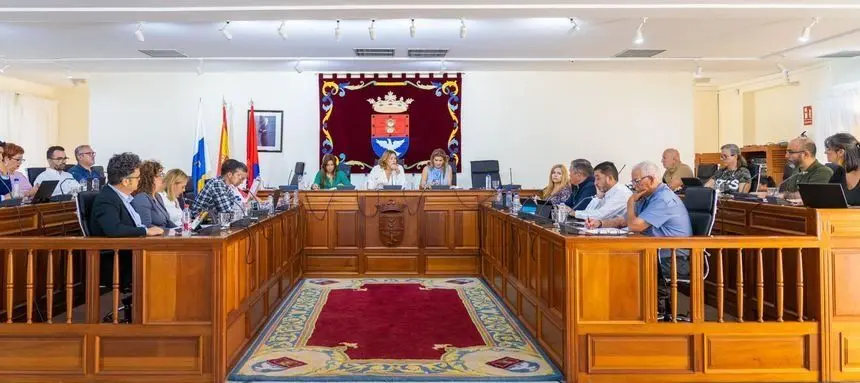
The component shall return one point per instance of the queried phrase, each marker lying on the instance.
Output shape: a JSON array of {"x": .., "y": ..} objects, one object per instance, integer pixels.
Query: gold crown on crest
[{"x": 390, "y": 104}]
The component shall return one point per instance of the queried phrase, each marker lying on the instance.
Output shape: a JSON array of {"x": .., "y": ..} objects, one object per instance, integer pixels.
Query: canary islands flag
[{"x": 200, "y": 162}]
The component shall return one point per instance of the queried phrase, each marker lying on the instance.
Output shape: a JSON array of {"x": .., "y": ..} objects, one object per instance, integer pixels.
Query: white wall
[{"x": 526, "y": 120}]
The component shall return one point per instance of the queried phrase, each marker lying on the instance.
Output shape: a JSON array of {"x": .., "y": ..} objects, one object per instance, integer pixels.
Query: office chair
[
  {"x": 701, "y": 204},
  {"x": 705, "y": 171},
  {"x": 32, "y": 173},
  {"x": 346, "y": 169},
  {"x": 84, "y": 206},
  {"x": 299, "y": 171},
  {"x": 480, "y": 169},
  {"x": 453, "y": 173}
]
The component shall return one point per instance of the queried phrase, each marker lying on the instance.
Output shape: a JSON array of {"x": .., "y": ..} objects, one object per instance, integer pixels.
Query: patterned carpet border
[{"x": 279, "y": 354}]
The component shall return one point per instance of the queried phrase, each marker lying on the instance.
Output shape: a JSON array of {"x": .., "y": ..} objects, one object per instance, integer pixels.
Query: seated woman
[
  {"x": 146, "y": 203},
  {"x": 558, "y": 190},
  {"x": 437, "y": 171},
  {"x": 328, "y": 177},
  {"x": 733, "y": 176},
  {"x": 387, "y": 172},
  {"x": 13, "y": 157},
  {"x": 843, "y": 149},
  {"x": 171, "y": 194}
]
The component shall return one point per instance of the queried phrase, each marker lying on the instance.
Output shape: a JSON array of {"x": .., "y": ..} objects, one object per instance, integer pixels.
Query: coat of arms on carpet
[{"x": 420, "y": 329}]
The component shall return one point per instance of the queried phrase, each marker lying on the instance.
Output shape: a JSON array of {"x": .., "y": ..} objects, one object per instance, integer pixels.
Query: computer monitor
[{"x": 46, "y": 189}]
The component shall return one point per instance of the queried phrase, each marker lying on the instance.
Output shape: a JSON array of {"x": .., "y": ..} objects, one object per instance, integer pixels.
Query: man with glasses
[
  {"x": 800, "y": 155},
  {"x": 112, "y": 213},
  {"x": 83, "y": 172},
  {"x": 56, "y": 171}
]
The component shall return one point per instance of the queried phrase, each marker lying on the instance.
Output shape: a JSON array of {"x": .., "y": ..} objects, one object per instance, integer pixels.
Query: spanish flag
[{"x": 224, "y": 148}]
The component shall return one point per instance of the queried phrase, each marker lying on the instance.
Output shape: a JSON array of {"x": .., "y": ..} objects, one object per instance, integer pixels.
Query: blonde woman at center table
[{"x": 387, "y": 172}]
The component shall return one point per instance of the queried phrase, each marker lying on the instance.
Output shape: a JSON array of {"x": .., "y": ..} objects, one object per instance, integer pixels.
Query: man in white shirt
[
  {"x": 611, "y": 198},
  {"x": 56, "y": 171}
]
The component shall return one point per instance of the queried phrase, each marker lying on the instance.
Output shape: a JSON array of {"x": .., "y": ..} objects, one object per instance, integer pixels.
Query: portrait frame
[{"x": 270, "y": 130}]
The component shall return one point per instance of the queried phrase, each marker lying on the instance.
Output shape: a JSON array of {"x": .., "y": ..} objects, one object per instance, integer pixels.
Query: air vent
[
  {"x": 638, "y": 53},
  {"x": 162, "y": 53},
  {"x": 841, "y": 55},
  {"x": 702, "y": 80},
  {"x": 374, "y": 52},
  {"x": 427, "y": 53}
]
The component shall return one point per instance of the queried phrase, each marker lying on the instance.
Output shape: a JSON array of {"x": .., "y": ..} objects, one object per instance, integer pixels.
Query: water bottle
[
  {"x": 285, "y": 200},
  {"x": 16, "y": 188},
  {"x": 96, "y": 186},
  {"x": 270, "y": 204},
  {"x": 296, "y": 198},
  {"x": 516, "y": 201},
  {"x": 487, "y": 182},
  {"x": 186, "y": 222},
  {"x": 509, "y": 203}
]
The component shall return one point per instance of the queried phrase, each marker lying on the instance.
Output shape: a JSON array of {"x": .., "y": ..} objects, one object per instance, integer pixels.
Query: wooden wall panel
[
  {"x": 372, "y": 239},
  {"x": 748, "y": 352},
  {"x": 346, "y": 229},
  {"x": 610, "y": 286},
  {"x": 34, "y": 354},
  {"x": 150, "y": 355},
  {"x": 639, "y": 354},
  {"x": 849, "y": 352},
  {"x": 436, "y": 229},
  {"x": 846, "y": 284},
  {"x": 331, "y": 263},
  {"x": 317, "y": 228},
  {"x": 466, "y": 230},
  {"x": 174, "y": 299},
  {"x": 463, "y": 265},
  {"x": 387, "y": 264}
]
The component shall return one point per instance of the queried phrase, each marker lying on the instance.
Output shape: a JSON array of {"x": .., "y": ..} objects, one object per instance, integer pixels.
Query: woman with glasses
[
  {"x": 558, "y": 190},
  {"x": 843, "y": 149},
  {"x": 146, "y": 203},
  {"x": 733, "y": 176},
  {"x": 13, "y": 158}
]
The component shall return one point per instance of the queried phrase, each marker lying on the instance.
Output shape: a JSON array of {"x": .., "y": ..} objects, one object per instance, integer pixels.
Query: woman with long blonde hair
[
  {"x": 558, "y": 190},
  {"x": 437, "y": 171},
  {"x": 387, "y": 172},
  {"x": 171, "y": 192}
]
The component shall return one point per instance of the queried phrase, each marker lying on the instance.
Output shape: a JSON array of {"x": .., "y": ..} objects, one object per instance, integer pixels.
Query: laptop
[
  {"x": 43, "y": 194},
  {"x": 692, "y": 181},
  {"x": 540, "y": 208},
  {"x": 823, "y": 196}
]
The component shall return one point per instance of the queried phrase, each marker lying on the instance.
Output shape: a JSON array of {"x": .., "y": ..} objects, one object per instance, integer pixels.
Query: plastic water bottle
[
  {"x": 186, "y": 222},
  {"x": 296, "y": 198},
  {"x": 285, "y": 200},
  {"x": 16, "y": 188},
  {"x": 516, "y": 201},
  {"x": 96, "y": 186},
  {"x": 270, "y": 204},
  {"x": 488, "y": 182}
]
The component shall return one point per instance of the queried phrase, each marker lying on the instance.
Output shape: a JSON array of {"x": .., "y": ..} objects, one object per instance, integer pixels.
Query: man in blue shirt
[
  {"x": 654, "y": 210},
  {"x": 582, "y": 182},
  {"x": 83, "y": 171}
]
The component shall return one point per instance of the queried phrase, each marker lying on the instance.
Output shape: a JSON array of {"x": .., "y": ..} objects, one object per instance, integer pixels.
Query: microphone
[
  {"x": 290, "y": 177},
  {"x": 60, "y": 186},
  {"x": 758, "y": 179},
  {"x": 778, "y": 187}
]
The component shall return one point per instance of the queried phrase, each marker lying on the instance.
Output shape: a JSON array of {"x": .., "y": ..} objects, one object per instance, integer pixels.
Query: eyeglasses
[
  {"x": 796, "y": 151},
  {"x": 88, "y": 154},
  {"x": 638, "y": 180},
  {"x": 726, "y": 156},
  {"x": 59, "y": 159},
  {"x": 20, "y": 160}
]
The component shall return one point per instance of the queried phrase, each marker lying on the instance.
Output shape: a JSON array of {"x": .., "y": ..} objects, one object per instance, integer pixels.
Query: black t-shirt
[{"x": 851, "y": 194}]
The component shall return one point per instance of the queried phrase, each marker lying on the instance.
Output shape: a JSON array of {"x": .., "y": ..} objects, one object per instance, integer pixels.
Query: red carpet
[{"x": 395, "y": 321}]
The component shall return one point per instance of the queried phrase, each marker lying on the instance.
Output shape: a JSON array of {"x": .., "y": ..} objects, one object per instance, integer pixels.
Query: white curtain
[
  {"x": 837, "y": 112},
  {"x": 30, "y": 122}
]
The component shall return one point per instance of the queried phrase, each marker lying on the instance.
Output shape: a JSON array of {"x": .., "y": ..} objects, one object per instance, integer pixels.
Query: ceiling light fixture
[
  {"x": 371, "y": 30},
  {"x": 640, "y": 38},
  {"x": 463, "y": 28},
  {"x": 225, "y": 31},
  {"x": 3, "y": 69},
  {"x": 785, "y": 73},
  {"x": 337, "y": 31},
  {"x": 282, "y": 30},
  {"x": 298, "y": 66},
  {"x": 698, "y": 72},
  {"x": 807, "y": 31},
  {"x": 574, "y": 26},
  {"x": 412, "y": 28},
  {"x": 138, "y": 33}
]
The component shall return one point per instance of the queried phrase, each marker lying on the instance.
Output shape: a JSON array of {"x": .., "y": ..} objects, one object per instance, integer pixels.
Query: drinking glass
[
  {"x": 495, "y": 184},
  {"x": 225, "y": 218},
  {"x": 772, "y": 192}
]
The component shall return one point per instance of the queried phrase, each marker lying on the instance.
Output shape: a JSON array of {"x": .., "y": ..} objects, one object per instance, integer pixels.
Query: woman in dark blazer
[{"x": 146, "y": 200}]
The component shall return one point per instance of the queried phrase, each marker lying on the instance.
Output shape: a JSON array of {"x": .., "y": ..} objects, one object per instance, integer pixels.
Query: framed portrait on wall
[{"x": 270, "y": 130}]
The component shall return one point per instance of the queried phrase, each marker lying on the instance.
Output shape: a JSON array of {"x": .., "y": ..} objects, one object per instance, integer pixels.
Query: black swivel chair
[
  {"x": 705, "y": 171},
  {"x": 84, "y": 206},
  {"x": 453, "y": 173},
  {"x": 32, "y": 173},
  {"x": 480, "y": 169},
  {"x": 299, "y": 171},
  {"x": 345, "y": 168}
]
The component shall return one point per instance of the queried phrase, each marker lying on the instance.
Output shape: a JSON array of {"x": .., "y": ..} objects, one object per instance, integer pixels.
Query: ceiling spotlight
[
  {"x": 698, "y": 72},
  {"x": 225, "y": 31},
  {"x": 69, "y": 73},
  {"x": 785, "y": 73},
  {"x": 282, "y": 30},
  {"x": 807, "y": 31},
  {"x": 200, "y": 67},
  {"x": 138, "y": 33},
  {"x": 640, "y": 38},
  {"x": 3, "y": 69},
  {"x": 337, "y": 31},
  {"x": 298, "y": 66},
  {"x": 463, "y": 29},
  {"x": 412, "y": 28},
  {"x": 574, "y": 26},
  {"x": 372, "y": 29}
]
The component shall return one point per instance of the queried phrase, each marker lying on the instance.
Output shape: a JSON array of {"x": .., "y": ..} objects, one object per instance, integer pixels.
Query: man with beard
[{"x": 800, "y": 155}]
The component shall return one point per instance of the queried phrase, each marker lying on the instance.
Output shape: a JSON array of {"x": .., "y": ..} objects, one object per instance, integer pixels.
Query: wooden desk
[
  {"x": 197, "y": 303},
  {"x": 591, "y": 301},
  {"x": 48, "y": 219},
  {"x": 430, "y": 232}
]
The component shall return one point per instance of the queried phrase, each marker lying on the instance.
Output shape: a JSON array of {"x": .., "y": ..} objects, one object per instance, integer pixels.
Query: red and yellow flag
[{"x": 224, "y": 148}]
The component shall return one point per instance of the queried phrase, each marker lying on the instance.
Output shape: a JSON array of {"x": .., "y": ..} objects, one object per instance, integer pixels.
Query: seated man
[
  {"x": 582, "y": 181},
  {"x": 612, "y": 196},
  {"x": 217, "y": 195},
  {"x": 675, "y": 169},
  {"x": 56, "y": 171},
  {"x": 800, "y": 155},
  {"x": 654, "y": 210},
  {"x": 83, "y": 171},
  {"x": 112, "y": 214}
]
